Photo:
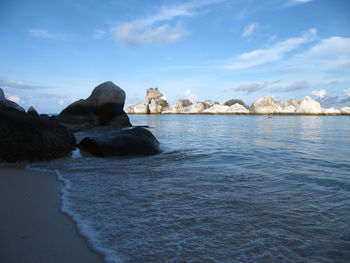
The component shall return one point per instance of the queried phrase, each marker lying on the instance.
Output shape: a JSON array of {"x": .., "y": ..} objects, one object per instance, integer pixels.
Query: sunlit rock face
[
  {"x": 345, "y": 110},
  {"x": 265, "y": 105},
  {"x": 139, "y": 108},
  {"x": 182, "y": 103},
  {"x": 152, "y": 94},
  {"x": 330, "y": 111},
  {"x": 237, "y": 108},
  {"x": 217, "y": 109},
  {"x": 309, "y": 106},
  {"x": 194, "y": 108}
]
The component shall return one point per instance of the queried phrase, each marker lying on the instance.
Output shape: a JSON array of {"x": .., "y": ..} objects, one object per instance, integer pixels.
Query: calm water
[{"x": 224, "y": 189}]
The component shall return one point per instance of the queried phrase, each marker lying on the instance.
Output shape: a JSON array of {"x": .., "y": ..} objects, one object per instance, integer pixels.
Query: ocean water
[{"x": 224, "y": 189}]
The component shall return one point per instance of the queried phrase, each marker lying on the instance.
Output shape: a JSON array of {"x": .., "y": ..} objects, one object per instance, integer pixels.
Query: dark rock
[
  {"x": 5, "y": 103},
  {"x": 103, "y": 107},
  {"x": 132, "y": 141},
  {"x": 31, "y": 111},
  {"x": 27, "y": 138}
]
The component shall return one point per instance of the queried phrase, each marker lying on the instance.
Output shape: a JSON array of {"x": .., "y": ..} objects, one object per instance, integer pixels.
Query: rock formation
[
  {"x": 153, "y": 94},
  {"x": 265, "y": 105},
  {"x": 32, "y": 111},
  {"x": 104, "y": 107},
  {"x": 27, "y": 138},
  {"x": 2, "y": 95},
  {"x": 237, "y": 108},
  {"x": 345, "y": 110},
  {"x": 182, "y": 103},
  {"x": 330, "y": 111},
  {"x": 309, "y": 106},
  {"x": 131, "y": 141},
  {"x": 157, "y": 106},
  {"x": 140, "y": 108},
  {"x": 217, "y": 109},
  {"x": 8, "y": 103}
]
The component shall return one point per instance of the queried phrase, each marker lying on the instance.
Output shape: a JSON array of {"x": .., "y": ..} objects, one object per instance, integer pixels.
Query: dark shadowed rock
[
  {"x": 27, "y": 138},
  {"x": 132, "y": 141},
  {"x": 5, "y": 103},
  {"x": 2, "y": 95},
  {"x": 31, "y": 111},
  {"x": 103, "y": 107}
]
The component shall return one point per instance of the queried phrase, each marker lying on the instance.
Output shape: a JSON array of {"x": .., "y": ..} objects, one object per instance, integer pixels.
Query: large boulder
[
  {"x": 193, "y": 108},
  {"x": 5, "y": 103},
  {"x": 217, "y": 109},
  {"x": 153, "y": 94},
  {"x": 182, "y": 103},
  {"x": 237, "y": 108},
  {"x": 292, "y": 102},
  {"x": 131, "y": 141},
  {"x": 157, "y": 106},
  {"x": 288, "y": 109},
  {"x": 265, "y": 105},
  {"x": 309, "y": 106},
  {"x": 27, "y": 138},
  {"x": 104, "y": 107},
  {"x": 139, "y": 108},
  {"x": 345, "y": 110},
  {"x": 330, "y": 111},
  {"x": 209, "y": 103}
]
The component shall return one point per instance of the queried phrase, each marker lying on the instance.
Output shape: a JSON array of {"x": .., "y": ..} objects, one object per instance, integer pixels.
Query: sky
[{"x": 55, "y": 52}]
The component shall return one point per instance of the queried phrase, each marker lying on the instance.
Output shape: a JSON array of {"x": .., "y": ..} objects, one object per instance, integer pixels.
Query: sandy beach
[{"x": 32, "y": 228}]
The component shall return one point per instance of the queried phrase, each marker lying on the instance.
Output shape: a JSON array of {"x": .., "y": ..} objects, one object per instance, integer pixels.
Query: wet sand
[{"x": 32, "y": 227}]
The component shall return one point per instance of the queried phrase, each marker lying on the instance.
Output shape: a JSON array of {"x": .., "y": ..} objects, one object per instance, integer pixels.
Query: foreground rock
[
  {"x": 132, "y": 141},
  {"x": 309, "y": 106},
  {"x": 31, "y": 111},
  {"x": 5, "y": 103},
  {"x": 265, "y": 105},
  {"x": 104, "y": 107},
  {"x": 27, "y": 138}
]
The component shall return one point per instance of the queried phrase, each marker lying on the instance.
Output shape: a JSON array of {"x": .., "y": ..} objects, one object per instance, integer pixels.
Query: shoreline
[
  {"x": 248, "y": 113},
  {"x": 32, "y": 225}
]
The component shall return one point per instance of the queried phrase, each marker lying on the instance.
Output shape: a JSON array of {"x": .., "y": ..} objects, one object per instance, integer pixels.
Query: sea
[{"x": 225, "y": 188}]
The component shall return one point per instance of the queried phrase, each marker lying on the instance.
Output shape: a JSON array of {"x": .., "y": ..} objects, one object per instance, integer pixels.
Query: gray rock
[
  {"x": 104, "y": 107},
  {"x": 2, "y": 95},
  {"x": 157, "y": 106},
  {"x": 5, "y": 103},
  {"x": 27, "y": 138},
  {"x": 182, "y": 103},
  {"x": 132, "y": 141},
  {"x": 193, "y": 108}
]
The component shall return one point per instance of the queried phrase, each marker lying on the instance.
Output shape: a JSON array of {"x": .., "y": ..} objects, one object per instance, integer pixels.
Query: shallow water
[{"x": 224, "y": 189}]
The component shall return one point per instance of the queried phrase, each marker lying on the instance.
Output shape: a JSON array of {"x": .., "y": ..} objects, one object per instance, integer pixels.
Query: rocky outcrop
[
  {"x": 131, "y": 141},
  {"x": 153, "y": 94},
  {"x": 330, "y": 111},
  {"x": 309, "y": 106},
  {"x": 237, "y": 108},
  {"x": 288, "y": 109},
  {"x": 27, "y": 138},
  {"x": 140, "y": 108},
  {"x": 345, "y": 110},
  {"x": 182, "y": 103},
  {"x": 5, "y": 103},
  {"x": 193, "y": 108},
  {"x": 31, "y": 111},
  {"x": 2, "y": 95},
  {"x": 157, "y": 106},
  {"x": 265, "y": 105},
  {"x": 217, "y": 109},
  {"x": 209, "y": 103},
  {"x": 292, "y": 102},
  {"x": 104, "y": 107}
]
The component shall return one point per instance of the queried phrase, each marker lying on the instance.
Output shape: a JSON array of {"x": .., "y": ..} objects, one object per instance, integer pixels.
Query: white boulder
[
  {"x": 140, "y": 108},
  {"x": 194, "y": 108},
  {"x": 309, "y": 106},
  {"x": 331, "y": 111},
  {"x": 217, "y": 109},
  {"x": 345, "y": 110},
  {"x": 237, "y": 108},
  {"x": 265, "y": 105}
]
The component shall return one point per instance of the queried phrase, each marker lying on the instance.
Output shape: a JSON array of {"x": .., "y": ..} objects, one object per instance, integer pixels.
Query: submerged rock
[
  {"x": 104, "y": 107},
  {"x": 265, "y": 105},
  {"x": 27, "y": 138},
  {"x": 131, "y": 141},
  {"x": 309, "y": 106}
]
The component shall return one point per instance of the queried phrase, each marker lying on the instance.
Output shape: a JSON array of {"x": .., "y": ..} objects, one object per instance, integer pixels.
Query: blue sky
[{"x": 55, "y": 52}]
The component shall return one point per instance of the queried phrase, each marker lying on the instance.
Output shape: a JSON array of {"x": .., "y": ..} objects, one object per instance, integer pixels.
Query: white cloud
[
  {"x": 98, "y": 34},
  {"x": 152, "y": 29},
  {"x": 249, "y": 30},
  {"x": 61, "y": 102},
  {"x": 276, "y": 52},
  {"x": 347, "y": 92},
  {"x": 296, "y": 2},
  {"x": 319, "y": 93},
  {"x": 44, "y": 34},
  {"x": 14, "y": 98},
  {"x": 190, "y": 96}
]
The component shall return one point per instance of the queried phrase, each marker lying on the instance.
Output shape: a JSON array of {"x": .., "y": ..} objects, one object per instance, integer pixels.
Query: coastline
[{"x": 32, "y": 226}]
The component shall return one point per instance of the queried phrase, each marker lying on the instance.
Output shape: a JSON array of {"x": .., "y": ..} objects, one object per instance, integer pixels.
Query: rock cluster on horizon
[{"x": 156, "y": 104}]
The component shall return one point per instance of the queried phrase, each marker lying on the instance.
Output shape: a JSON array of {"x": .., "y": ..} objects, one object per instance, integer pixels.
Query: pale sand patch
[{"x": 32, "y": 227}]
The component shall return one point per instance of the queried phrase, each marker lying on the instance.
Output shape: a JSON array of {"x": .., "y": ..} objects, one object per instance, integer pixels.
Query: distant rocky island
[{"x": 157, "y": 104}]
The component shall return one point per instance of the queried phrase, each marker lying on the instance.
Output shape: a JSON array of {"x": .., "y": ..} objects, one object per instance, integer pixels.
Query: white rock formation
[
  {"x": 194, "y": 108},
  {"x": 292, "y": 102},
  {"x": 237, "y": 108},
  {"x": 288, "y": 109},
  {"x": 153, "y": 94},
  {"x": 345, "y": 110},
  {"x": 309, "y": 106},
  {"x": 169, "y": 110},
  {"x": 330, "y": 111},
  {"x": 182, "y": 103},
  {"x": 217, "y": 109},
  {"x": 140, "y": 108},
  {"x": 265, "y": 105}
]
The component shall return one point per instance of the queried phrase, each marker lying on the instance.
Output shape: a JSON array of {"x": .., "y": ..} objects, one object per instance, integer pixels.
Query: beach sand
[{"x": 32, "y": 227}]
